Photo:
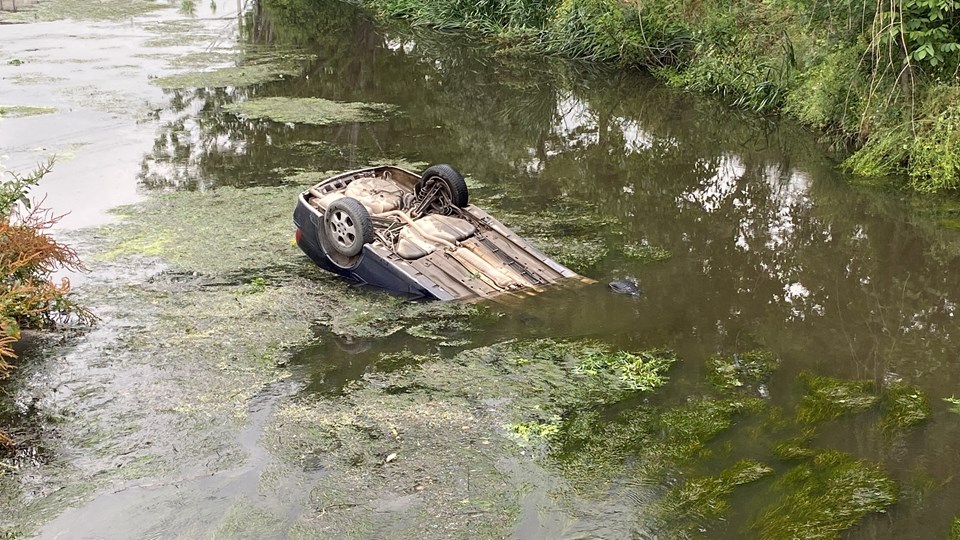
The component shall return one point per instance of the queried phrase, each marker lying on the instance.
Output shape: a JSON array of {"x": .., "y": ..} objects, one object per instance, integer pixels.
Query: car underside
[{"x": 418, "y": 235}]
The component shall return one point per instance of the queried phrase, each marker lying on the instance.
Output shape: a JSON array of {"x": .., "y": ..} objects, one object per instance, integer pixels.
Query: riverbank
[{"x": 878, "y": 81}]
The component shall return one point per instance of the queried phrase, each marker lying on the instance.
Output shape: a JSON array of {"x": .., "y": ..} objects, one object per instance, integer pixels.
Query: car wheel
[
  {"x": 347, "y": 226},
  {"x": 451, "y": 188}
]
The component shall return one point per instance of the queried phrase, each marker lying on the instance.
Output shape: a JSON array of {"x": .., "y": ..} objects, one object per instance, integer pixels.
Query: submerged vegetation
[
  {"x": 706, "y": 497},
  {"x": 743, "y": 369},
  {"x": 824, "y": 497},
  {"x": 827, "y": 398},
  {"x": 903, "y": 406},
  {"x": 879, "y": 77}
]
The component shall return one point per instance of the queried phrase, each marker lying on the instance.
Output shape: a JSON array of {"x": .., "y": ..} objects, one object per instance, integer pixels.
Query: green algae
[
  {"x": 645, "y": 252},
  {"x": 40, "y": 503},
  {"x": 686, "y": 507},
  {"x": 686, "y": 430},
  {"x": 579, "y": 254},
  {"x": 742, "y": 369},
  {"x": 824, "y": 497},
  {"x": 29, "y": 79},
  {"x": 313, "y": 111},
  {"x": 245, "y": 519},
  {"x": 394, "y": 456},
  {"x": 643, "y": 442},
  {"x": 828, "y": 398},
  {"x": 19, "y": 111},
  {"x": 573, "y": 233},
  {"x": 903, "y": 406},
  {"x": 103, "y": 10},
  {"x": 233, "y": 76},
  {"x": 204, "y": 59},
  {"x": 209, "y": 232},
  {"x": 447, "y": 332},
  {"x": 115, "y": 103},
  {"x": 535, "y": 432},
  {"x": 407, "y": 433}
]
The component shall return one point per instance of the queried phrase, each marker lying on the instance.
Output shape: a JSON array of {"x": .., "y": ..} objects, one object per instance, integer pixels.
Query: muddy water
[{"x": 232, "y": 390}]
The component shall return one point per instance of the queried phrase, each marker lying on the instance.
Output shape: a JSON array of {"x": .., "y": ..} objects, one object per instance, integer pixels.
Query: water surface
[{"x": 771, "y": 247}]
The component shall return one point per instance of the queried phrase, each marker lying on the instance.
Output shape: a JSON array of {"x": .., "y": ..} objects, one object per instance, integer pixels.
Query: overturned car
[{"x": 417, "y": 235}]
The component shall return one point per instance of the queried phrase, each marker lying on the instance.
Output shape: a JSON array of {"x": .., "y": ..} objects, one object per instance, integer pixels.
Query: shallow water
[{"x": 771, "y": 248}]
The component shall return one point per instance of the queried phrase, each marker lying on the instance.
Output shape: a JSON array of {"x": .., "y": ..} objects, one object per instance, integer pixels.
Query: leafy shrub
[
  {"x": 645, "y": 34},
  {"x": 935, "y": 151},
  {"x": 830, "y": 93},
  {"x": 28, "y": 257}
]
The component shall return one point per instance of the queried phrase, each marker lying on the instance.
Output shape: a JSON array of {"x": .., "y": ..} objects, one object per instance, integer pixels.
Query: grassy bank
[{"x": 878, "y": 79}]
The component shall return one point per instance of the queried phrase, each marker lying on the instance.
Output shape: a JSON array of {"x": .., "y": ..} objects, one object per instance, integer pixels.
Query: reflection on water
[{"x": 771, "y": 246}]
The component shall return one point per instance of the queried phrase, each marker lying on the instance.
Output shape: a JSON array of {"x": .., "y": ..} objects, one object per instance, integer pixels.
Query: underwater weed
[
  {"x": 903, "y": 406},
  {"x": 741, "y": 369},
  {"x": 827, "y": 398},
  {"x": 645, "y": 252},
  {"x": 824, "y": 497},
  {"x": 641, "y": 371},
  {"x": 706, "y": 497}
]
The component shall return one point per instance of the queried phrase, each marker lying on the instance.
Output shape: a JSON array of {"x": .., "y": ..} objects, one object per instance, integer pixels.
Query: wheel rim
[{"x": 343, "y": 230}]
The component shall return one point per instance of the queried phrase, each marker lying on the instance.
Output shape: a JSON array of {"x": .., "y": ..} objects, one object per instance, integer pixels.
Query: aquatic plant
[
  {"x": 741, "y": 369},
  {"x": 255, "y": 68},
  {"x": 903, "y": 406},
  {"x": 686, "y": 506},
  {"x": 14, "y": 111},
  {"x": 827, "y": 398},
  {"x": 314, "y": 111},
  {"x": 954, "y": 404},
  {"x": 645, "y": 252},
  {"x": 793, "y": 449},
  {"x": 641, "y": 371},
  {"x": 824, "y": 497},
  {"x": 535, "y": 432}
]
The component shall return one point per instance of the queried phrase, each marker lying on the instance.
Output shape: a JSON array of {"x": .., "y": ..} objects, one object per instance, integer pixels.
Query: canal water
[{"x": 743, "y": 234}]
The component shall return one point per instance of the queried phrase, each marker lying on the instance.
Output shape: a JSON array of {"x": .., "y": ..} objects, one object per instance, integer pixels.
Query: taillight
[{"x": 298, "y": 235}]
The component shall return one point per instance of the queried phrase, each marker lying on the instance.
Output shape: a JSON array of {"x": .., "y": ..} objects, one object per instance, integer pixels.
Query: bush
[
  {"x": 28, "y": 257},
  {"x": 935, "y": 152}
]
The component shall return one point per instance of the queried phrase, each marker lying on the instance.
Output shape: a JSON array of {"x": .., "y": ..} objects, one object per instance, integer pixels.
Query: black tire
[
  {"x": 347, "y": 226},
  {"x": 453, "y": 188}
]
